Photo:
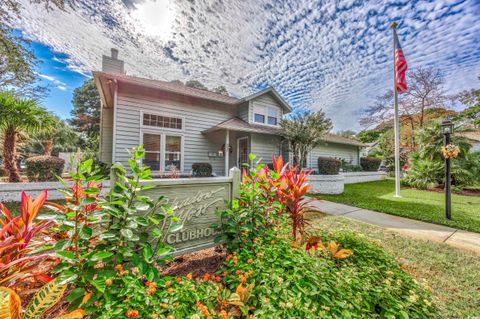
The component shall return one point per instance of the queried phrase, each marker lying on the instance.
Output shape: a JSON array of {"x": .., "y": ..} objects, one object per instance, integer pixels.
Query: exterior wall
[
  {"x": 106, "y": 135},
  {"x": 265, "y": 100},
  {"x": 12, "y": 192},
  {"x": 347, "y": 152},
  {"x": 244, "y": 112},
  {"x": 362, "y": 177},
  {"x": 264, "y": 146},
  {"x": 326, "y": 184},
  {"x": 197, "y": 118},
  {"x": 111, "y": 65}
]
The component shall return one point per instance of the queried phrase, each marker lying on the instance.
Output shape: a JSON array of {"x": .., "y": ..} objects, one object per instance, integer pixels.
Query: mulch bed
[{"x": 197, "y": 263}]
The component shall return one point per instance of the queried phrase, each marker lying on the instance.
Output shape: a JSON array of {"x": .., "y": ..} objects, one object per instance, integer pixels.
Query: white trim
[
  {"x": 163, "y": 133},
  {"x": 114, "y": 137},
  {"x": 238, "y": 150},
  {"x": 165, "y": 115}
]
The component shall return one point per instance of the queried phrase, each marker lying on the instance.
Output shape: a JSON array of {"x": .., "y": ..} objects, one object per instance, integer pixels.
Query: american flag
[{"x": 400, "y": 67}]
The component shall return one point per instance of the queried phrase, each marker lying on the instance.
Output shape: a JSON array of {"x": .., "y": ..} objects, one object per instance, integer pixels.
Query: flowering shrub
[{"x": 23, "y": 243}]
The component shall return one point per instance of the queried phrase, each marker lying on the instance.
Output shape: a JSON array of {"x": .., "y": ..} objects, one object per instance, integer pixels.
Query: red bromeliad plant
[
  {"x": 20, "y": 237},
  {"x": 291, "y": 192}
]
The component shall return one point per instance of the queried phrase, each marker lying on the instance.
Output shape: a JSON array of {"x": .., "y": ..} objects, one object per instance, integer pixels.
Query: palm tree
[{"x": 19, "y": 115}]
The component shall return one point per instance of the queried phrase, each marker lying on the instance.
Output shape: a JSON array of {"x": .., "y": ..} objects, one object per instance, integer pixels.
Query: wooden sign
[{"x": 195, "y": 202}]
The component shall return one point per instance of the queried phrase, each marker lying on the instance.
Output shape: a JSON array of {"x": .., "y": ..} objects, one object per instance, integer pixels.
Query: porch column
[{"x": 226, "y": 153}]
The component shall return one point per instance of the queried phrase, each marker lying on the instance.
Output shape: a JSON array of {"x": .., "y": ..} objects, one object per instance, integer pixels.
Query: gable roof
[
  {"x": 182, "y": 89},
  {"x": 270, "y": 90},
  {"x": 334, "y": 138}
]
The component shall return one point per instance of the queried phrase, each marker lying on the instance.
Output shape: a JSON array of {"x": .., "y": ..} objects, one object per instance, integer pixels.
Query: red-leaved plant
[
  {"x": 20, "y": 237},
  {"x": 291, "y": 190}
]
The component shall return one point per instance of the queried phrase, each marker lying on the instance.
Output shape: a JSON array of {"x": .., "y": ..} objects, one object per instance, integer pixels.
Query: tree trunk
[
  {"x": 9, "y": 155},
  {"x": 48, "y": 147}
]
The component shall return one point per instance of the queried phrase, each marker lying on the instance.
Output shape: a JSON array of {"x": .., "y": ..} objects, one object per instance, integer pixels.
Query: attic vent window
[{"x": 162, "y": 121}]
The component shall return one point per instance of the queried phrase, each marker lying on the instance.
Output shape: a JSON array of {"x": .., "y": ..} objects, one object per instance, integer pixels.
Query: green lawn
[
  {"x": 452, "y": 275},
  {"x": 415, "y": 204}
]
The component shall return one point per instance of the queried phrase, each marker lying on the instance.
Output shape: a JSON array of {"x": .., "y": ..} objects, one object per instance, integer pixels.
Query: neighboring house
[
  {"x": 473, "y": 138},
  {"x": 369, "y": 149},
  {"x": 180, "y": 125}
]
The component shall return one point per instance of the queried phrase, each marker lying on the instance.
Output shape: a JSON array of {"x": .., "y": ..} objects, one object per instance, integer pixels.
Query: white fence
[{"x": 334, "y": 184}]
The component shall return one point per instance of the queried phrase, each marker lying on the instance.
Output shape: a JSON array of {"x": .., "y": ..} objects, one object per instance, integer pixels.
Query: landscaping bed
[
  {"x": 111, "y": 259},
  {"x": 416, "y": 204}
]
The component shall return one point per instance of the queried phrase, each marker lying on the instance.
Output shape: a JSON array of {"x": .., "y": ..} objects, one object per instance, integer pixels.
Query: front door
[{"x": 242, "y": 151}]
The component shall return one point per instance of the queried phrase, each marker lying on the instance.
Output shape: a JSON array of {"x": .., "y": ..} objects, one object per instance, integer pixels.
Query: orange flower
[
  {"x": 119, "y": 267},
  {"x": 199, "y": 305},
  {"x": 132, "y": 313},
  {"x": 189, "y": 276},
  {"x": 250, "y": 260},
  {"x": 163, "y": 305},
  {"x": 237, "y": 272},
  {"x": 272, "y": 242},
  {"x": 235, "y": 259},
  {"x": 243, "y": 279},
  {"x": 259, "y": 254},
  {"x": 170, "y": 290},
  {"x": 225, "y": 273},
  {"x": 108, "y": 282},
  {"x": 152, "y": 287},
  {"x": 223, "y": 314},
  {"x": 206, "y": 276},
  {"x": 217, "y": 278},
  {"x": 170, "y": 317},
  {"x": 205, "y": 311},
  {"x": 178, "y": 279},
  {"x": 229, "y": 257},
  {"x": 168, "y": 283}
]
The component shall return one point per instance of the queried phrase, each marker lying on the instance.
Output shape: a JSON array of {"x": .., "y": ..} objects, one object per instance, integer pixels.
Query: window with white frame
[
  {"x": 162, "y": 121},
  {"x": 265, "y": 115},
  {"x": 163, "y": 151}
]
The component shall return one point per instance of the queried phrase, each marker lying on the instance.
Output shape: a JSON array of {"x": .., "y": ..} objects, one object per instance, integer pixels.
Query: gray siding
[
  {"x": 264, "y": 146},
  {"x": 265, "y": 100},
  {"x": 110, "y": 65},
  {"x": 346, "y": 152},
  {"x": 106, "y": 135},
  {"x": 243, "y": 112},
  {"x": 197, "y": 119}
]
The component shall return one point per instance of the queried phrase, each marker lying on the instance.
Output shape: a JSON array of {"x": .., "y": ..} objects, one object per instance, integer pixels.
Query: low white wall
[
  {"x": 361, "y": 177},
  {"x": 12, "y": 192},
  {"x": 326, "y": 184}
]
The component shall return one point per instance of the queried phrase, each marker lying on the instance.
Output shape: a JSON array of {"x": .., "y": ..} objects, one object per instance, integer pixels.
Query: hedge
[
  {"x": 3, "y": 172},
  {"x": 44, "y": 168},
  {"x": 328, "y": 165},
  {"x": 201, "y": 170},
  {"x": 370, "y": 164}
]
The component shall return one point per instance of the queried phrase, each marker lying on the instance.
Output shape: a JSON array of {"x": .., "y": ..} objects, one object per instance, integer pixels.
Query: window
[
  {"x": 173, "y": 152},
  {"x": 162, "y": 121},
  {"x": 259, "y": 118},
  {"x": 265, "y": 115},
  {"x": 152, "y": 142},
  {"x": 162, "y": 151}
]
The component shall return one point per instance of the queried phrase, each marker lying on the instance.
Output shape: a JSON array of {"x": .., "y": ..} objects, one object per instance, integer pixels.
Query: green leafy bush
[
  {"x": 329, "y": 166},
  {"x": 201, "y": 169},
  {"x": 426, "y": 167},
  {"x": 351, "y": 168},
  {"x": 44, "y": 168},
  {"x": 370, "y": 164}
]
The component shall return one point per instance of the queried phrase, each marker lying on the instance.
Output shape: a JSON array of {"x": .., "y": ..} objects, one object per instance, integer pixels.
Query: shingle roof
[
  {"x": 236, "y": 124},
  {"x": 170, "y": 87},
  {"x": 333, "y": 138}
]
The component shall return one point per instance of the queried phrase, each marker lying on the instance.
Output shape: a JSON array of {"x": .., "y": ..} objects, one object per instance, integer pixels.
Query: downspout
[{"x": 114, "y": 120}]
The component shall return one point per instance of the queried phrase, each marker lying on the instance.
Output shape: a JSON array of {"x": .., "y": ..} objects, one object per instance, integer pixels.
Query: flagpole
[{"x": 396, "y": 119}]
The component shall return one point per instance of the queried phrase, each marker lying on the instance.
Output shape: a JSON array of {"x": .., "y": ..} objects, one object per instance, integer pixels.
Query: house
[{"x": 180, "y": 125}]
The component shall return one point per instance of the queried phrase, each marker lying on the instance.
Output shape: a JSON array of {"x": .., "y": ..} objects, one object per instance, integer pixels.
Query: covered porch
[{"x": 240, "y": 138}]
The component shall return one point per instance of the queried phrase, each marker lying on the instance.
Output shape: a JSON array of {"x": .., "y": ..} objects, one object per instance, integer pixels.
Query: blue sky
[{"x": 333, "y": 55}]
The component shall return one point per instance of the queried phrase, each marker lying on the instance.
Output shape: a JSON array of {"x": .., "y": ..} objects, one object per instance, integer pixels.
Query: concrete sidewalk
[{"x": 409, "y": 227}]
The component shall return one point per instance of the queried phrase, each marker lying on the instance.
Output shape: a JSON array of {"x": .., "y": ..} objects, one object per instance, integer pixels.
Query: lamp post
[{"x": 447, "y": 130}]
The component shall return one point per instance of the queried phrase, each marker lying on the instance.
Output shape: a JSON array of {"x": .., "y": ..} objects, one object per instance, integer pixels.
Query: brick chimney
[{"x": 111, "y": 64}]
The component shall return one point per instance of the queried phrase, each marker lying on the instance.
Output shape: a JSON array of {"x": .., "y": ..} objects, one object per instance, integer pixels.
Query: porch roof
[{"x": 237, "y": 124}]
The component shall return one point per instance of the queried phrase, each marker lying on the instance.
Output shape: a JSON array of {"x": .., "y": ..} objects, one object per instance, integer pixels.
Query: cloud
[
  {"x": 334, "y": 55},
  {"x": 57, "y": 83}
]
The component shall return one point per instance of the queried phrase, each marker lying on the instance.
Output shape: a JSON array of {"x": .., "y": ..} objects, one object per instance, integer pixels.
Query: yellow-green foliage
[{"x": 45, "y": 298}]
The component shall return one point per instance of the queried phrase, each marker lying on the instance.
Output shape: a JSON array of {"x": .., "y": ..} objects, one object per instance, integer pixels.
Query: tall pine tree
[{"x": 86, "y": 114}]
